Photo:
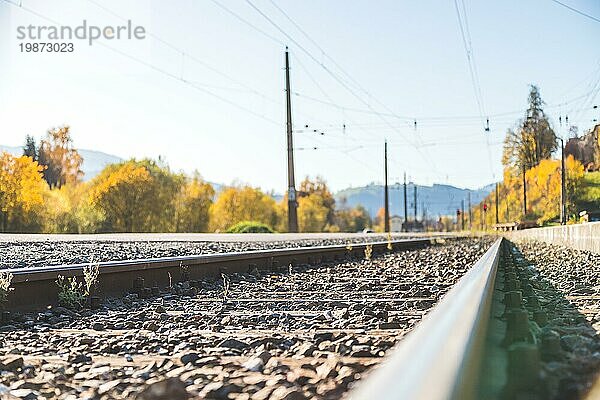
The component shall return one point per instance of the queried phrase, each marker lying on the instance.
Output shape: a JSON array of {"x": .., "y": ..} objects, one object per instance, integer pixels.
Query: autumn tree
[
  {"x": 352, "y": 219},
  {"x": 242, "y": 203},
  {"x": 67, "y": 210},
  {"x": 62, "y": 162},
  {"x": 533, "y": 141},
  {"x": 136, "y": 196},
  {"x": 316, "y": 206},
  {"x": 378, "y": 224},
  {"x": 543, "y": 194},
  {"x": 193, "y": 205},
  {"x": 21, "y": 193}
]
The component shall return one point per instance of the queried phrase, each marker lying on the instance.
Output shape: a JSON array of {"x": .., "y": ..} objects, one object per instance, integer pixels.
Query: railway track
[
  {"x": 308, "y": 323},
  {"x": 35, "y": 286}
]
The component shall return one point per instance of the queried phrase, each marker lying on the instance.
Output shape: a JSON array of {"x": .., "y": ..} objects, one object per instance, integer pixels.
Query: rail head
[{"x": 439, "y": 359}]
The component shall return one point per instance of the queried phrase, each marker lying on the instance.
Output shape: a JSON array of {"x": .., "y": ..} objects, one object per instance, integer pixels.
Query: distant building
[
  {"x": 396, "y": 223},
  {"x": 413, "y": 226},
  {"x": 586, "y": 149}
]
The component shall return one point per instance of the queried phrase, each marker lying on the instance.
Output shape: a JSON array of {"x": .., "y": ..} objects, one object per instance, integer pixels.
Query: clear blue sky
[{"x": 408, "y": 55}]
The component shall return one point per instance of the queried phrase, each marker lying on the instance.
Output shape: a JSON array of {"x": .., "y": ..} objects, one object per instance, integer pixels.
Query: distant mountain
[
  {"x": 435, "y": 200},
  {"x": 93, "y": 161}
]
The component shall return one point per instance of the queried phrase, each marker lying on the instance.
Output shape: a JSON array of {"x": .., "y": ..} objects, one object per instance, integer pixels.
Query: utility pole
[
  {"x": 563, "y": 191},
  {"x": 386, "y": 223},
  {"x": 482, "y": 213},
  {"x": 524, "y": 194},
  {"x": 497, "y": 202},
  {"x": 462, "y": 214},
  {"x": 292, "y": 203},
  {"x": 405, "y": 206},
  {"x": 470, "y": 211},
  {"x": 415, "y": 190}
]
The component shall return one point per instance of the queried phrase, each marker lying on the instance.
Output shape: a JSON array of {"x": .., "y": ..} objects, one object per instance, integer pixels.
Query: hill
[
  {"x": 93, "y": 161},
  {"x": 437, "y": 199}
]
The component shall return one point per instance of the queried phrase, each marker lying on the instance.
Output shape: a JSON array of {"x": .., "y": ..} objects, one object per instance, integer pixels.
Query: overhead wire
[
  {"x": 577, "y": 11},
  {"x": 155, "y": 68}
]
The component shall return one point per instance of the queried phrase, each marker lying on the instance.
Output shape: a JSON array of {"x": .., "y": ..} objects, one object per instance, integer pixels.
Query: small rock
[
  {"x": 305, "y": 350},
  {"x": 98, "y": 326},
  {"x": 11, "y": 363},
  {"x": 168, "y": 389},
  {"x": 25, "y": 394},
  {"x": 283, "y": 393},
  {"x": 254, "y": 364},
  {"x": 151, "y": 326},
  {"x": 189, "y": 358},
  {"x": 389, "y": 325},
  {"x": 80, "y": 358},
  {"x": 233, "y": 344},
  {"x": 219, "y": 390}
]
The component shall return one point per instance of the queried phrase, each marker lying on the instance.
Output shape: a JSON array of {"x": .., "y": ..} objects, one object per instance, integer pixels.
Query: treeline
[
  {"x": 42, "y": 191},
  {"x": 528, "y": 165}
]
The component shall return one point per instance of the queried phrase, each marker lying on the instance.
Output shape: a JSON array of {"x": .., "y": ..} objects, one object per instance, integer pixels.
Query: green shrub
[
  {"x": 71, "y": 293},
  {"x": 250, "y": 227}
]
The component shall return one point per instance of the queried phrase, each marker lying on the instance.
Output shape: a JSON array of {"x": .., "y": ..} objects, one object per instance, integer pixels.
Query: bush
[{"x": 250, "y": 227}]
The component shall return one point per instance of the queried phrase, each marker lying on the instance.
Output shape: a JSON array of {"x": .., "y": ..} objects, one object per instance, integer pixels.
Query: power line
[
  {"x": 465, "y": 34},
  {"x": 312, "y": 57},
  {"x": 381, "y": 115},
  {"x": 184, "y": 53},
  {"x": 157, "y": 69},
  {"x": 191, "y": 56},
  {"x": 250, "y": 24},
  {"x": 577, "y": 11}
]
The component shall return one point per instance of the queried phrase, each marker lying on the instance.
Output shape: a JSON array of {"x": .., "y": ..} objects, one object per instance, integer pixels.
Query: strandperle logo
[{"x": 83, "y": 31}]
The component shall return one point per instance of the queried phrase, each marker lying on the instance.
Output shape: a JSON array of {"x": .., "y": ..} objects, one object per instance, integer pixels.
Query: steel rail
[
  {"x": 36, "y": 286},
  {"x": 441, "y": 357}
]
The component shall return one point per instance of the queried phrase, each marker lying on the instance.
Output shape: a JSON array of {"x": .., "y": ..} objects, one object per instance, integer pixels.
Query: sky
[{"x": 205, "y": 88}]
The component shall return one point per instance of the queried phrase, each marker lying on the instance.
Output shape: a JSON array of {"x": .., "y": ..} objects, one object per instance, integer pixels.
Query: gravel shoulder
[
  {"x": 306, "y": 332},
  {"x": 567, "y": 283}
]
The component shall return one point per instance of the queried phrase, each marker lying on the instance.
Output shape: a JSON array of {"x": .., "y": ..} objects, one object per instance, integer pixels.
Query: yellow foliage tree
[
  {"x": 68, "y": 211},
  {"x": 316, "y": 206},
  {"x": 21, "y": 193},
  {"x": 136, "y": 196},
  {"x": 245, "y": 203},
  {"x": 312, "y": 214},
  {"x": 543, "y": 183},
  {"x": 193, "y": 205}
]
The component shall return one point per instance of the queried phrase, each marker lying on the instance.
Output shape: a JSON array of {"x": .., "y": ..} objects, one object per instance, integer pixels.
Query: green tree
[
  {"x": 30, "y": 148},
  {"x": 352, "y": 219},
  {"x": 533, "y": 141}
]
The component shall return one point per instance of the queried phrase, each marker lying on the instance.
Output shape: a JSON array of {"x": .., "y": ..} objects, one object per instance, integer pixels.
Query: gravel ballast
[
  {"x": 303, "y": 332},
  {"x": 23, "y": 254}
]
